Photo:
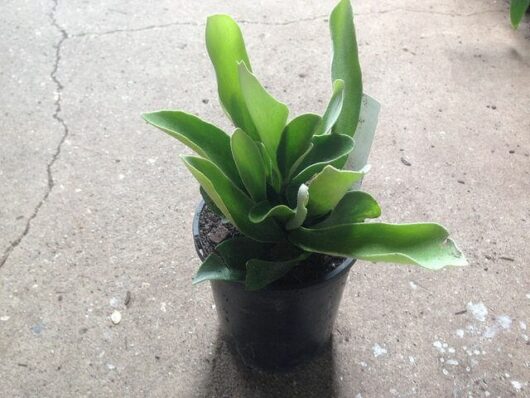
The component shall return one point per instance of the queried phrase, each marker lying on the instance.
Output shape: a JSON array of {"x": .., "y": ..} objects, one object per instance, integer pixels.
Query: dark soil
[{"x": 212, "y": 231}]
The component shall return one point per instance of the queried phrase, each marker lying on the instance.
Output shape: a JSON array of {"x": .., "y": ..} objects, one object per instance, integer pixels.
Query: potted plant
[{"x": 284, "y": 220}]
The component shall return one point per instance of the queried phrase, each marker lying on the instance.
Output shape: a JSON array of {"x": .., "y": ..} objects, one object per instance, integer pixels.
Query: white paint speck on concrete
[
  {"x": 478, "y": 310},
  {"x": 460, "y": 333},
  {"x": 4, "y": 318},
  {"x": 378, "y": 350},
  {"x": 504, "y": 321},
  {"x": 522, "y": 325},
  {"x": 517, "y": 385},
  {"x": 163, "y": 307},
  {"x": 490, "y": 332},
  {"x": 413, "y": 285},
  {"x": 439, "y": 346},
  {"x": 452, "y": 362},
  {"x": 412, "y": 360}
]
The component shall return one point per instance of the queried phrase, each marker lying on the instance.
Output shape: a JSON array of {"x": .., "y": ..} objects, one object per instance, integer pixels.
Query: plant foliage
[
  {"x": 517, "y": 10},
  {"x": 283, "y": 183}
]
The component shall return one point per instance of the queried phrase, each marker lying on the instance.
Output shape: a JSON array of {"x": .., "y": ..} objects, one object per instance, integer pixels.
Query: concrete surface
[{"x": 95, "y": 204}]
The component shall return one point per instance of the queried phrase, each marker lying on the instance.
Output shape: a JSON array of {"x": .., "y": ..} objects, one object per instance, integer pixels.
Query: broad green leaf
[
  {"x": 517, "y": 10},
  {"x": 364, "y": 134},
  {"x": 333, "y": 110},
  {"x": 214, "y": 268},
  {"x": 233, "y": 202},
  {"x": 328, "y": 187},
  {"x": 237, "y": 251},
  {"x": 300, "y": 214},
  {"x": 226, "y": 48},
  {"x": 345, "y": 66},
  {"x": 326, "y": 150},
  {"x": 273, "y": 174},
  {"x": 354, "y": 207},
  {"x": 261, "y": 273},
  {"x": 250, "y": 164},
  {"x": 210, "y": 203},
  {"x": 296, "y": 140},
  {"x": 269, "y": 115},
  {"x": 425, "y": 244},
  {"x": 264, "y": 210},
  {"x": 298, "y": 162},
  {"x": 204, "y": 138}
]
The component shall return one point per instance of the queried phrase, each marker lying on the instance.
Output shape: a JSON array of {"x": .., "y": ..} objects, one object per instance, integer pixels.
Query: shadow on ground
[{"x": 229, "y": 377}]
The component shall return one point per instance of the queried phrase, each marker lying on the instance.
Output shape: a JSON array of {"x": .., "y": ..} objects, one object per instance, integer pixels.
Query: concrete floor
[{"x": 95, "y": 206}]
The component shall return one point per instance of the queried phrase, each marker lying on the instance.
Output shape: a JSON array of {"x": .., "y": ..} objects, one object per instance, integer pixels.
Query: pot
[{"x": 279, "y": 326}]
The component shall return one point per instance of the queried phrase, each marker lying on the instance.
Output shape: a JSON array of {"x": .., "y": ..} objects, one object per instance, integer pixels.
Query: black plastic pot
[{"x": 280, "y": 326}]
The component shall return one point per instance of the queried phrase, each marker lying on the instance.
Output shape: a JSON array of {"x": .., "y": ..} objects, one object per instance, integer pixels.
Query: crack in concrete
[
  {"x": 141, "y": 29},
  {"x": 431, "y": 12},
  {"x": 283, "y": 23},
  {"x": 57, "y": 152},
  {"x": 190, "y": 23}
]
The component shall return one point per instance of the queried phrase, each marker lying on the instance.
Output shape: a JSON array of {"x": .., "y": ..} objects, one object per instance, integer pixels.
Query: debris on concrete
[
  {"x": 116, "y": 317},
  {"x": 405, "y": 162},
  {"x": 127, "y": 300}
]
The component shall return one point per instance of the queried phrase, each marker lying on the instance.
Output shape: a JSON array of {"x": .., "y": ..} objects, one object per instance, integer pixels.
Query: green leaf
[
  {"x": 214, "y": 268},
  {"x": 296, "y": 140},
  {"x": 226, "y": 48},
  {"x": 272, "y": 173},
  {"x": 292, "y": 219},
  {"x": 517, "y": 10},
  {"x": 269, "y": 115},
  {"x": 354, "y": 207},
  {"x": 210, "y": 203},
  {"x": 233, "y": 202},
  {"x": 260, "y": 273},
  {"x": 204, "y": 138},
  {"x": 345, "y": 66},
  {"x": 333, "y": 110},
  {"x": 326, "y": 150},
  {"x": 264, "y": 210},
  {"x": 250, "y": 164},
  {"x": 364, "y": 134},
  {"x": 421, "y": 244},
  {"x": 237, "y": 251},
  {"x": 328, "y": 187}
]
